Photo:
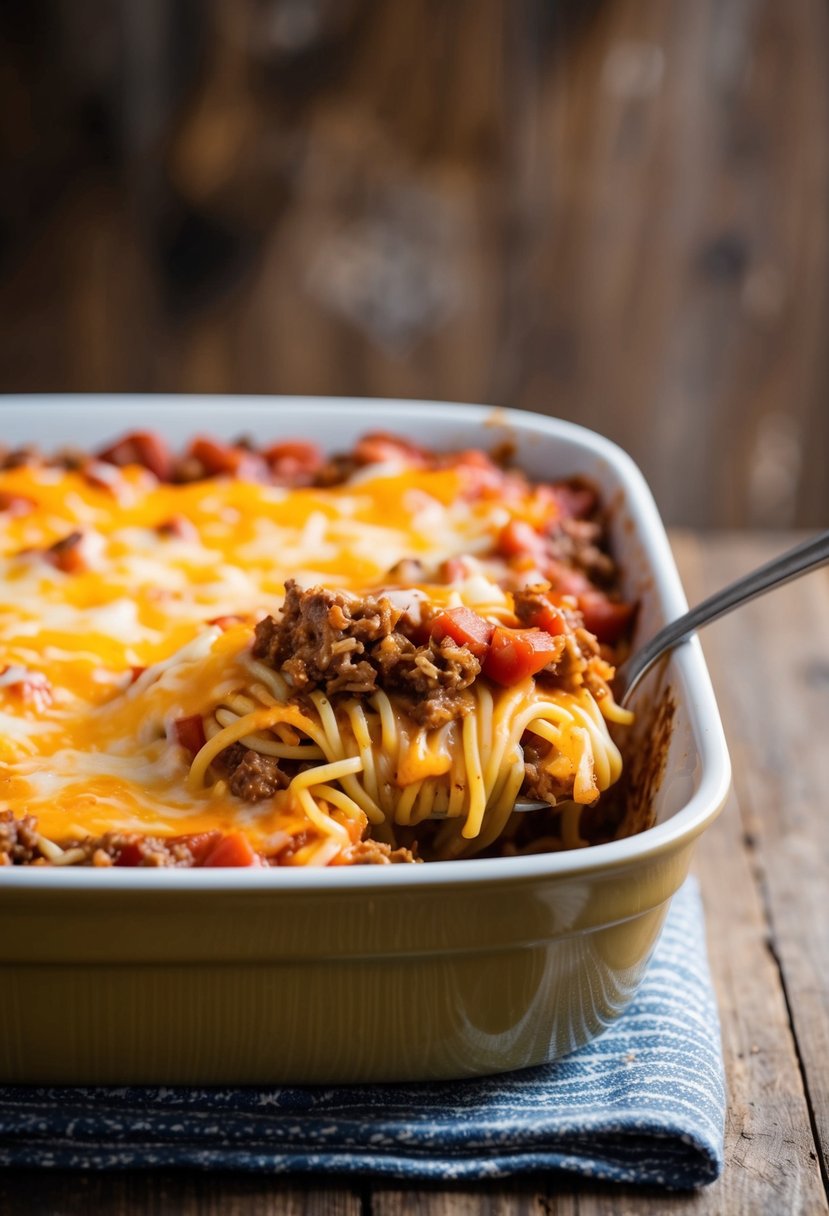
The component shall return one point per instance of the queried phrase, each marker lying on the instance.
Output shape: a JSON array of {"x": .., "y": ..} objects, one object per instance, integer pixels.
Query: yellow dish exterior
[{"x": 119, "y": 986}]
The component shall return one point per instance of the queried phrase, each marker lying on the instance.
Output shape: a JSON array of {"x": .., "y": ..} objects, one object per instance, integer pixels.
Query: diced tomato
[
  {"x": 130, "y": 855},
  {"x": 379, "y": 446},
  {"x": 136, "y": 672},
  {"x": 293, "y": 460},
  {"x": 608, "y": 619},
  {"x": 232, "y": 850},
  {"x": 189, "y": 733},
  {"x": 453, "y": 570},
  {"x": 307, "y": 454},
  {"x": 200, "y": 844},
  {"x": 565, "y": 579},
  {"x": 515, "y": 654},
  {"x": 144, "y": 448},
  {"x": 520, "y": 539},
  {"x": 217, "y": 458},
  {"x": 550, "y": 618},
  {"x": 465, "y": 627}
]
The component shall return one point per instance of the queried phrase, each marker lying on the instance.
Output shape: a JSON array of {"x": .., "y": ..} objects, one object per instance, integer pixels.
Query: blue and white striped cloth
[{"x": 643, "y": 1104}]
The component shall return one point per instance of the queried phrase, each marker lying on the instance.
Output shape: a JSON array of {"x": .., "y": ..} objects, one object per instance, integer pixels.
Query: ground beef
[
  {"x": 133, "y": 850},
  {"x": 18, "y": 840},
  {"x": 323, "y": 637},
  {"x": 18, "y": 458},
  {"x": 227, "y": 761},
  {"x": 249, "y": 774},
  {"x": 19, "y": 846},
  {"x": 431, "y": 677},
  {"x": 580, "y": 543},
  {"x": 71, "y": 458},
  {"x": 579, "y": 648},
  {"x": 336, "y": 471},
  {"x": 349, "y": 645},
  {"x": 374, "y": 853},
  {"x": 257, "y": 777},
  {"x": 540, "y": 785}
]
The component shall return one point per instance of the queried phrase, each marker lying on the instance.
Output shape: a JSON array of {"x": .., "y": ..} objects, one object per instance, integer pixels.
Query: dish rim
[{"x": 679, "y": 829}]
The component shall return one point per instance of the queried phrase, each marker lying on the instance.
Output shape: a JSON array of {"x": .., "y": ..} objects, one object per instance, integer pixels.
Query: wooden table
[{"x": 764, "y": 871}]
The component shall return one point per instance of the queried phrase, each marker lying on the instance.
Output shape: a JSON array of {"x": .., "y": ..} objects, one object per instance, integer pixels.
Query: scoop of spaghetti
[{"x": 356, "y": 707}]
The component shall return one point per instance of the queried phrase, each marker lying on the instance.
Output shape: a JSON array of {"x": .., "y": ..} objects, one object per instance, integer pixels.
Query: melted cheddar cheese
[{"x": 98, "y": 663}]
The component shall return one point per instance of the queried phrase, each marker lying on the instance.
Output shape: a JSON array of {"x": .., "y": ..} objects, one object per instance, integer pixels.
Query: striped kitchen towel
[{"x": 643, "y": 1104}]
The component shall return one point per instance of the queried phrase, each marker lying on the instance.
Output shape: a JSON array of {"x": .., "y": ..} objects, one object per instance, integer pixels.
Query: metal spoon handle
[{"x": 790, "y": 565}]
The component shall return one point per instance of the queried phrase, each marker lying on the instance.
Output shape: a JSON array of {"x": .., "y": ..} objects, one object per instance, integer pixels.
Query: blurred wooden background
[{"x": 613, "y": 211}]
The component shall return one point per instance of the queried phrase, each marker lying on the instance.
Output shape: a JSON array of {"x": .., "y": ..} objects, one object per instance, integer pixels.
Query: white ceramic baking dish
[{"x": 367, "y": 973}]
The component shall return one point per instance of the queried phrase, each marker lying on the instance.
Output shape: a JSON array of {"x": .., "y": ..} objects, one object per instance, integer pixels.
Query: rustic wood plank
[
  {"x": 776, "y": 713},
  {"x": 55, "y": 1193},
  {"x": 769, "y": 1143},
  {"x": 485, "y": 1199}
]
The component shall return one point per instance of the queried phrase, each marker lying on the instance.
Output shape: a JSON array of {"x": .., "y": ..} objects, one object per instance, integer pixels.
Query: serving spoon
[{"x": 783, "y": 569}]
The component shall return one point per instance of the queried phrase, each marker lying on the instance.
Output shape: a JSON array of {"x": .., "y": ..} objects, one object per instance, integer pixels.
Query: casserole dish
[{"x": 380, "y": 973}]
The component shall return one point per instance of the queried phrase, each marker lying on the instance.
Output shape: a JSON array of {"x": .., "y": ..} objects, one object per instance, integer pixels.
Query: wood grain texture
[
  {"x": 776, "y": 714},
  {"x": 489, "y": 1199},
  {"x": 615, "y": 212},
  {"x": 770, "y": 1147},
  {"x": 45, "y": 1193}
]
